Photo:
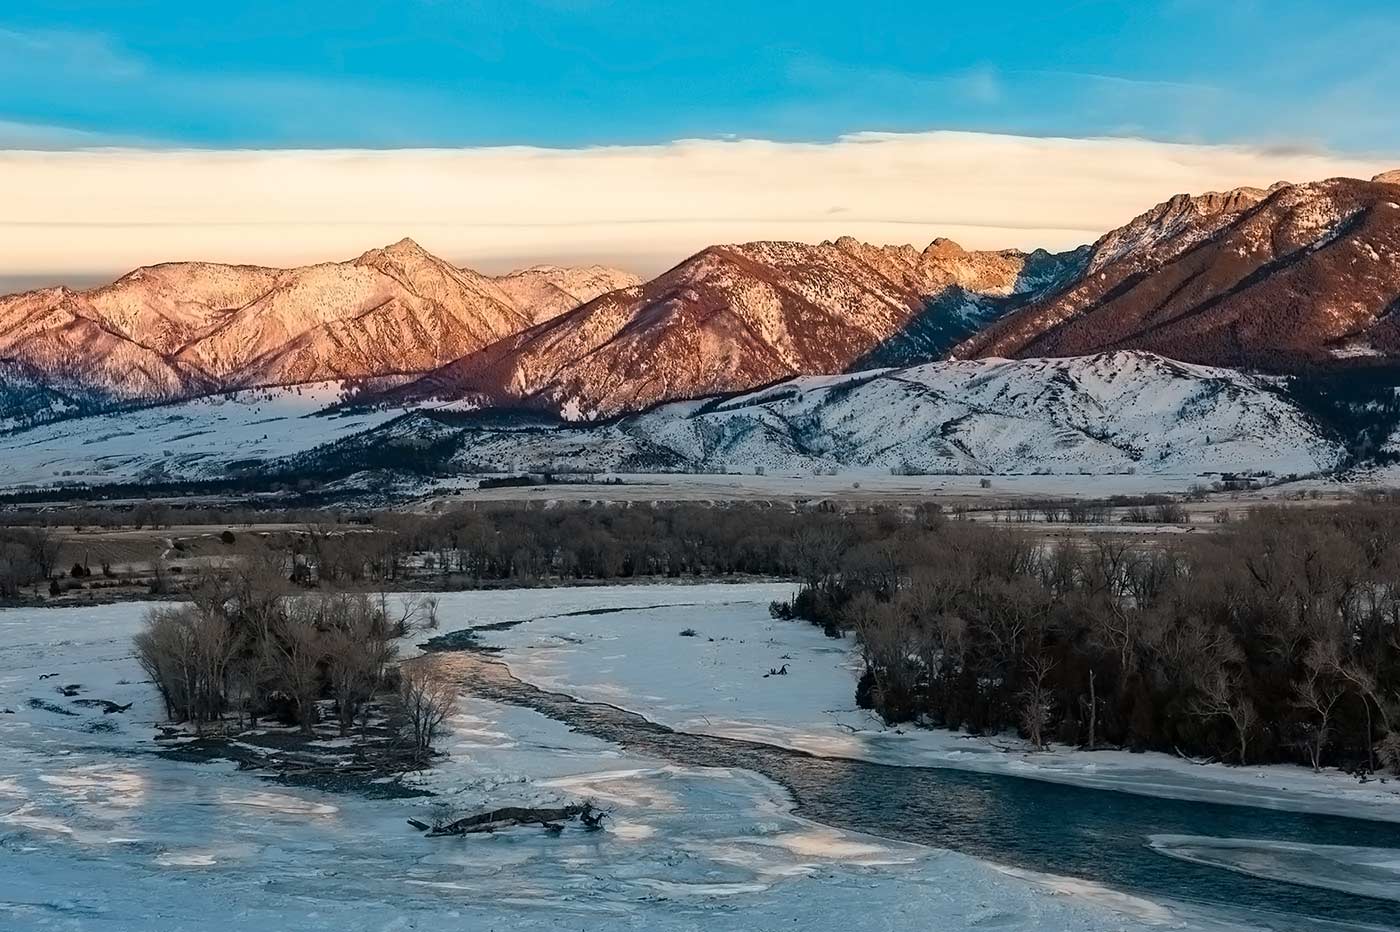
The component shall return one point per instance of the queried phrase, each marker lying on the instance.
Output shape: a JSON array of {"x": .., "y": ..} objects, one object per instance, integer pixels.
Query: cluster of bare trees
[
  {"x": 28, "y": 555},
  {"x": 1146, "y": 509},
  {"x": 247, "y": 648},
  {"x": 1276, "y": 637}
]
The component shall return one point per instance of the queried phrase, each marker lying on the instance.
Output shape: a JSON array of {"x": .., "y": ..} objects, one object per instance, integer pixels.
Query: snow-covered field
[{"x": 96, "y": 832}]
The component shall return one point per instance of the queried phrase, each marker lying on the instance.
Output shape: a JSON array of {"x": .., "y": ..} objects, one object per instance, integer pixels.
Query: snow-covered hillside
[
  {"x": 1114, "y": 413},
  {"x": 27, "y": 398},
  {"x": 201, "y": 438},
  {"x": 1111, "y": 413}
]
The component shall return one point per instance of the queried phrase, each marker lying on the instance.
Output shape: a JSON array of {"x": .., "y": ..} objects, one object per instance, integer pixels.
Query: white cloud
[{"x": 642, "y": 207}]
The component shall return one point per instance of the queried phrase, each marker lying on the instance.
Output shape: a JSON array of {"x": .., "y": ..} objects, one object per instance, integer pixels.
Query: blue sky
[{"x": 312, "y": 73}]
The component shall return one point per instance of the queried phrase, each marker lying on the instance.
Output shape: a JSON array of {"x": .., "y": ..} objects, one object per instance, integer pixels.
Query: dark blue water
[{"x": 1097, "y": 835}]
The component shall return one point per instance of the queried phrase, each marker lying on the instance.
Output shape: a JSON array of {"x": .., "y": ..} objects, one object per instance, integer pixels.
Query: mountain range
[
  {"x": 735, "y": 317},
  {"x": 182, "y": 329},
  {"x": 1260, "y": 285},
  {"x": 1295, "y": 276}
]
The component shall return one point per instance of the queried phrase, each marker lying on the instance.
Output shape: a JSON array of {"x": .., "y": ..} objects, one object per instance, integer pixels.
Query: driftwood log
[
  {"x": 107, "y": 706},
  {"x": 510, "y": 816}
]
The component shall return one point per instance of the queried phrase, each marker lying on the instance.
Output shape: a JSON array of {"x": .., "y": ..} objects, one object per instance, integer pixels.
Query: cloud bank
[{"x": 70, "y": 214}]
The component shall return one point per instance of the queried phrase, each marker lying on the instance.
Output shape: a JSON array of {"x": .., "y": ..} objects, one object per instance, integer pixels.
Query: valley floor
[{"x": 98, "y": 832}]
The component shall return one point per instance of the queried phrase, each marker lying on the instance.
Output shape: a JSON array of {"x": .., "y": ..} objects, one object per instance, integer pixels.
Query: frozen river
[
  {"x": 1296, "y": 871},
  {"x": 98, "y": 832}
]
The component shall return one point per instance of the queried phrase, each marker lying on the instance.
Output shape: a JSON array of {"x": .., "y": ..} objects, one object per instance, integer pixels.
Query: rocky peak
[
  {"x": 1234, "y": 200},
  {"x": 404, "y": 251},
  {"x": 1177, "y": 223},
  {"x": 944, "y": 248}
]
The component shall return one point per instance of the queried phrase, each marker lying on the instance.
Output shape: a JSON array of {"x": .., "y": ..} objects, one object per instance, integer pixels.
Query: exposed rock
[{"x": 1295, "y": 277}]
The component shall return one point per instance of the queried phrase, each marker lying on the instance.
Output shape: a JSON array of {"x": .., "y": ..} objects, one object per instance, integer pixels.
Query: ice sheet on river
[{"x": 1373, "y": 872}]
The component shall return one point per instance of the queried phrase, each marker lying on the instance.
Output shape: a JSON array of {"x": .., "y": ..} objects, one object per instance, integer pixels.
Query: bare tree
[
  {"x": 817, "y": 551},
  {"x": 160, "y": 572},
  {"x": 1223, "y": 696},
  {"x": 1317, "y": 693},
  {"x": 17, "y": 568},
  {"x": 1091, "y": 706},
  {"x": 1037, "y": 698},
  {"x": 416, "y": 612},
  {"x": 44, "y": 544},
  {"x": 298, "y": 652},
  {"x": 428, "y": 696},
  {"x": 357, "y": 649},
  {"x": 187, "y": 652}
]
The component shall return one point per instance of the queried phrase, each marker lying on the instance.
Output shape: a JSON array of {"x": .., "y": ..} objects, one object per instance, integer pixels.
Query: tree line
[
  {"x": 483, "y": 545},
  {"x": 513, "y": 545},
  {"x": 1273, "y": 638}
]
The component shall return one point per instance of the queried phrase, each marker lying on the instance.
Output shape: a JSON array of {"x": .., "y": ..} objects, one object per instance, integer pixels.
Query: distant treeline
[
  {"x": 519, "y": 544},
  {"x": 1276, "y": 637},
  {"x": 491, "y": 544}
]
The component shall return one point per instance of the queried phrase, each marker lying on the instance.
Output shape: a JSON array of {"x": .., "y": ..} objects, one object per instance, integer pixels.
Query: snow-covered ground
[
  {"x": 187, "y": 440},
  {"x": 713, "y": 683},
  {"x": 1105, "y": 414},
  {"x": 97, "y": 832}
]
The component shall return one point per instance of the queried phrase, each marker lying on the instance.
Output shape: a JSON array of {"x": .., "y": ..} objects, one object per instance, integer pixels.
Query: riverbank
[{"x": 631, "y": 654}]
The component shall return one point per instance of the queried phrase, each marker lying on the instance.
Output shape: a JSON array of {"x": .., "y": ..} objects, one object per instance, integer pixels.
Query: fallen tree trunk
[{"x": 509, "y": 816}]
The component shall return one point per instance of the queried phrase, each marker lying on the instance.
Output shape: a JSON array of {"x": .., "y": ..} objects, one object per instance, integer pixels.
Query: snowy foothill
[
  {"x": 1112, "y": 423},
  {"x": 714, "y": 683},
  {"x": 193, "y": 439},
  {"x": 99, "y": 831}
]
